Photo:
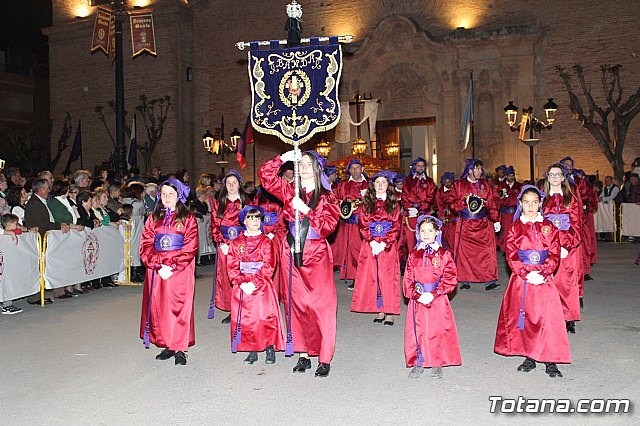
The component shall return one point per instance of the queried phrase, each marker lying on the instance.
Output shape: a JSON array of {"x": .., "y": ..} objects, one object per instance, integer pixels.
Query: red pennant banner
[
  {"x": 143, "y": 38},
  {"x": 102, "y": 31}
]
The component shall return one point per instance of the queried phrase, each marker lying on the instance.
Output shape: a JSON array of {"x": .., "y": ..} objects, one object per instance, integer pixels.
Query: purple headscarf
[
  {"x": 242, "y": 215},
  {"x": 419, "y": 222},
  {"x": 502, "y": 167},
  {"x": 232, "y": 172},
  {"x": 448, "y": 175},
  {"x": 384, "y": 173},
  {"x": 330, "y": 170},
  {"x": 399, "y": 177},
  {"x": 509, "y": 171},
  {"x": 469, "y": 164},
  {"x": 321, "y": 162},
  {"x": 182, "y": 189},
  {"x": 524, "y": 188}
]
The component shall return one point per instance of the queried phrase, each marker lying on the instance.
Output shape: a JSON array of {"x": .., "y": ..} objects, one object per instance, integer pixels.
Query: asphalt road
[{"x": 80, "y": 361}]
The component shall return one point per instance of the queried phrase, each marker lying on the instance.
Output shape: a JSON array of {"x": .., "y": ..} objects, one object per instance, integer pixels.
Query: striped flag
[
  {"x": 466, "y": 133},
  {"x": 248, "y": 137}
]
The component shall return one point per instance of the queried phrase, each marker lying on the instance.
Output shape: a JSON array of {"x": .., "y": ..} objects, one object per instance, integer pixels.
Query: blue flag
[
  {"x": 132, "y": 158},
  {"x": 466, "y": 133},
  {"x": 76, "y": 149}
]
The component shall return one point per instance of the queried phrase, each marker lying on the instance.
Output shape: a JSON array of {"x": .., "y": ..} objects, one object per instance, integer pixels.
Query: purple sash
[
  {"x": 250, "y": 268},
  {"x": 560, "y": 221},
  {"x": 270, "y": 218},
  {"x": 230, "y": 232},
  {"x": 422, "y": 288},
  {"x": 311, "y": 235},
  {"x": 466, "y": 214},
  {"x": 533, "y": 257},
  {"x": 508, "y": 209},
  {"x": 353, "y": 219},
  {"x": 380, "y": 229},
  {"x": 168, "y": 242}
]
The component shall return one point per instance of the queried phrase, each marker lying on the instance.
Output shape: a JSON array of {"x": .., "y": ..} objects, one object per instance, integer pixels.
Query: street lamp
[
  {"x": 532, "y": 124},
  {"x": 323, "y": 147},
  {"x": 216, "y": 145}
]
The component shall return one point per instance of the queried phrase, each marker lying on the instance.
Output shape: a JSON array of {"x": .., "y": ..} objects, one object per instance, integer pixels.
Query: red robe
[
  {"x": 508, "y": 205},
  {"x": 347, "y": 243},
  {"x": 421, "y": 195},
  {"x": 382, "y": 271},
  {"x": 171, "y": 316},
  {"x": 569, "y": 274},
  {"x": 259, "y": 313},
  {"x": 474, "y": 246},
  {"x": 432, "y": 326},
  {"x": 544, "y": 337},
  {"x": 230, "y": 218},
  {"x": 443, "y": 205},
  {"x": 279, "y": 231},
  {"x": 311, "y": 296},
  {"x": 589, "y": 242}
]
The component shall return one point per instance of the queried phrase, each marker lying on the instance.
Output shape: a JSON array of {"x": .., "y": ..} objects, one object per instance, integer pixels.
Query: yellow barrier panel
[
  {"x": 127, "y": 256},
  {"x": 41, "y": 252}
]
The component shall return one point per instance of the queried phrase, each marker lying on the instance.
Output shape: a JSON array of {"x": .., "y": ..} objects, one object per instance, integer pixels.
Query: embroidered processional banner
[{"x": 295, "y": 90}]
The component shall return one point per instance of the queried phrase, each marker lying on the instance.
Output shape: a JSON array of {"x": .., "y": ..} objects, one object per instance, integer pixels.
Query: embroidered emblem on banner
[
  {"x": 295, "y": 90},
  {"x": 546, "y": 230},
  {"x": 90, "y": 253}
]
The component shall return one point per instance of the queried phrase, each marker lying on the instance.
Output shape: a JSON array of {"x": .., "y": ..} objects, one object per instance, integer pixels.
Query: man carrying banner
[{"x": 347, "y": 244}]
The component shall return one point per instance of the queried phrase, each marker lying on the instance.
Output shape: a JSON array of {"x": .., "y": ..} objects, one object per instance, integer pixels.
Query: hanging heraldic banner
[
  {"x": 295, "y": 90},
  {"x": 102, "y": 31},
  {"x": 143, "y": 38}
]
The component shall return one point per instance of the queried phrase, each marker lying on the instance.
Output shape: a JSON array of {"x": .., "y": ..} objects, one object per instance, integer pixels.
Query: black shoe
[
  {"x": 77, "y": 292},
  {"x": 64, "y": 295},
  {"x": 181, "y": 358},
  {"x": 588, "y": 277},
  {"x": 581, "y": 302},
  {"x": 323, "y": 370},
  {"x": 226, "y": 320},
  {"x": 303, "y": 365},
  {"x": 492, "y": 286},
  {"x": 96, "y": 285},
  {"x": 165, "y": 354},
  {"x": 70, "y": 293},
  {"x": 379, "y": 320},
  {"x": 571, "y": 327},
  {"x": 527, "y": 365},
  {"x": 465, "y": 286},
  {"x": 109, "y": 284},
  {"x": 271, "y": 356},
  {"x": 388, "y": 322},
  {"x": 552, "y": 370},
  {"x": 350, "y": 287},
  {"x": 251, "y": 358}
]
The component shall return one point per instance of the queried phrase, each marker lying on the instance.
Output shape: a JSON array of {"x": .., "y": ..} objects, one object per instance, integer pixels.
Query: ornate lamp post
[
  {"x": 531, "y": 124},
  {"x": 323, "y": 148},
  {"x": 216, "y": 145}
]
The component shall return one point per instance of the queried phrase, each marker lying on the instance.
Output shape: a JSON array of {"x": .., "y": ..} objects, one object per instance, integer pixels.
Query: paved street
[{"x": 80, "y": 361}]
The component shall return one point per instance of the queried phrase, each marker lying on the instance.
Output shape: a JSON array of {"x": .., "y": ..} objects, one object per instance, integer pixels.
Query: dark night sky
[{"x": 20, "y": 23}]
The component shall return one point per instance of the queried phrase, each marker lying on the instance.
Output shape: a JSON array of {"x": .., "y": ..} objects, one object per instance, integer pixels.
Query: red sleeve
[
  {"x": 183, "y": 257},
  {"x": 440, "y": 205},
  {"x": 552, "y": 244},
  {"x": 430, "y": 194},
  {"x": 363, "y": 226},
  {"x": 324, "y": 217},
  {"x": 274, "y": 184},
  {"x": 449, "y": 279},
  {"x": 233, "y": 263},
  {"x": 493, "y": 204},
  {"x": 394, "y": 232},
  {"x": 458, "y": 202},
  {"x": 572, "y": 236},
  {"x": 408, "y": 283},
  {"x": 215, "y": 224},
  {"x": 265, "y": 275},
  {"x": 517, "y": 267},
  {"x": 148, "y": 254}
]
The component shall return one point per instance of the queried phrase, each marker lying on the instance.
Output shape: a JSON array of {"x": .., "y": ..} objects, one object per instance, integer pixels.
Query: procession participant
[
  {"x": 256, "y": 324},
  {"x": 474, "y": 247},
  {"x": 531, "y": 321},
  {"x": 311, "y": 299},
  {"x": 224, "y": 229},
  {"x": 508, "y": 191},
  {"x": 500, "y": 176},
  {"x": 418, "y": 198},
  {"x": 563, "y": 208},
  {"x": 377, "y": 285},
  {"x": 430, "y": 333},
  {"x": 589, "y": 244},
  {"x": 332, "y": 176},
  {"x": 273, "y": 227},
  {"x": 398, "y": 185},
  {"x": 347, "y": 243},
  {"x": 443, "y": 206},
  {"x": 168, "y": 249}
]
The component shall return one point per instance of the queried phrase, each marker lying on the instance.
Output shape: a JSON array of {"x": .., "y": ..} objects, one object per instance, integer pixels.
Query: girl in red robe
[
  {"x": 430, "y": 333},
  {"x": 256, "y": 325},
  {"x": 377, "y": 283},
  {"x": 310, "y": 299},
  {"x": 168, "y": 248},
  {"x": 273, "y": 227},
  {"x": 225, "y": 228},
  {"x": 531, "y": 322},
  {"x": 563, "y": 208}
]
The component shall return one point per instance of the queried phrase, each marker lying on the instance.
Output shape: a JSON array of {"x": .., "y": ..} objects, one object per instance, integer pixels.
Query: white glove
[
  {"x": 292, "y": 155},
  {"x": 413, "y": 212},
  {"x": 363, "y": 192},
  {"x": 563, "y": 253},
  {"x": 374, "y": 246},
  {"x": 248, "y": 288},
  {"x": 425, "y": 298},
  {"x": 535, "y": 278},
  {"x": 497, "y": 227},
  {"x": 299, "y": 205},
  {"x": 165, "y": 272},
  {"x": 382, "y": 246},
  {"x": 270, "y": 235},
  {"x": 224, "y": 248}
]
